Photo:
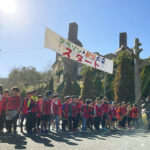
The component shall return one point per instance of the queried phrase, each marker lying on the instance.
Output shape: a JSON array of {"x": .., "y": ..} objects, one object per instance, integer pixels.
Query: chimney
[
  {"x": 73, "y": 32},
  {"x": 123, "y": 39}
]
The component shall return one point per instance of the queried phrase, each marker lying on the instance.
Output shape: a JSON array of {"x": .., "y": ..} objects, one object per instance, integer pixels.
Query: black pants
[
  {"x": 2, "y": 120},
  {"x": 129, "y": 121},
  {"x": 104, "y": 120},
  {"x": 72, "y": 122},
  {"x": 123, "y": 122},
  {"x": 38, "y": 121},
  {"x": 64, "y": 124},
  {"x": 22, "y": 117},
  {"x": 148, "y": 119},
  {"x": 31, "y": 121},
  {"x": 97, "y": 121},
  {"x": 12, "y": 124},
  {"x": 78, "y": 120},
  {"x": 90, "y": 122}
]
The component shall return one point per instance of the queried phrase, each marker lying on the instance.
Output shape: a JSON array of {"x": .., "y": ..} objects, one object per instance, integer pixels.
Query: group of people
[{"x": 70, "y": 114}]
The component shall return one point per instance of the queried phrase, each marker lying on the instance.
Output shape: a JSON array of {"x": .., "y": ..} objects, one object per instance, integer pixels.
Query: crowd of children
[{"x": 72, "y": 113}]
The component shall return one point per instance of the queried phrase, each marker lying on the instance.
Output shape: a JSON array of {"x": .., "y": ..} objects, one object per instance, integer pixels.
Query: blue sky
[{"x": 99, "y": 21}]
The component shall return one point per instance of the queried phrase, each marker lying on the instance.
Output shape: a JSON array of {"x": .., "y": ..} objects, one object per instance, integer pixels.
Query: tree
[
  {"x": 108, "y": 86},
  {"x": 50, "y": 86},
  {"x": 124, "y": 78},
  {"x": 145, "y": 81},
  {"x": 76, "y": 88},
  {"x": 68, "y": 89},
  {"x": 88, "y": 87},
  {"x": 60, "y": 88},
  {"x": 98, "y": 87}
]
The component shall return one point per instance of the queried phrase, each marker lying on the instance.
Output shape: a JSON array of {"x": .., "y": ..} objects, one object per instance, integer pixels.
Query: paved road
[{"x": 108, "y": 140}]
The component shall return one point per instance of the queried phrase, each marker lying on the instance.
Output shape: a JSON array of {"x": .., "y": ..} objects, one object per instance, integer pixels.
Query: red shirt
[
  {"x": 119, "y": 113},
  {"x": 4, "y": 102},
  {"x": 99, "y": 110},
  {"x": 91, "y": 112},
  {"x": 114, "y": 115},
  {"x": 110, "y": 112},
  {"x": 47, "y": 107},
  {"x": 66, "y": 110},
  {"x": 105, "y": 108},
  {"x": 85, "y": 110},
  {"x": 79, "y": 108},
  {"x": 13, "y": 103},
  {"x": 135, "y": 113},
  {"x": 25, "y": 106},
  {"x": 39, "y": 108},
  {"x": 74, "y": 109}
]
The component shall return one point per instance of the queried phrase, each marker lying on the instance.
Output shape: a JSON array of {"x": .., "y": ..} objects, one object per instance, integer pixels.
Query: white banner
[{"x": 70, "y": 50}]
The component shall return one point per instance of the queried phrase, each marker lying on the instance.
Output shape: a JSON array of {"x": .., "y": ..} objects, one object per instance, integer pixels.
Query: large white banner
[{"x": 70, "y": 50}]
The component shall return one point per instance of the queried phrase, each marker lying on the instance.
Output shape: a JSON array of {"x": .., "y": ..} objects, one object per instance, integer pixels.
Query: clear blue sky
[{"x": 100, "y": 22}]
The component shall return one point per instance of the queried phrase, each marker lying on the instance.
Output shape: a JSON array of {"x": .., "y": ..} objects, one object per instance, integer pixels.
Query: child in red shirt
[
  {"x": 3, "y": 102},
  {"x": 12, "y": 110},
  {"x": 135, "y": 115}
]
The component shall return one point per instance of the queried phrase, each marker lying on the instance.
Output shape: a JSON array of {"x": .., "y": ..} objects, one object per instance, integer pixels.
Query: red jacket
[
  {"x": 114, "y": 115},
  {"x": 85, "y": 110},
  {"x": 47, "y": 107},
  {"x": 79, "y": 108},
  {"x": 59, "y": 107},
  {"x": 66, "y": 110},
  {"x": 13, "y": 103},
  {"x": 105, "y": 108},
  {"x": 25, "y": 106},
  {"x": 91, "y": 112},
  {"x": 110, "y": 112},
  {"x": 119, "y": 113},
  {"x": 73, "y": 109},
  {"x": 98, "y": 110},
  {"x": 4, "y": 102},
  {"x": 39, "y": 108},
  {"x": 135, "y": 113}
]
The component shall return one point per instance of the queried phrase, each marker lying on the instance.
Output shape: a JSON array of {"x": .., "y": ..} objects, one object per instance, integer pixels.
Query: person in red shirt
[
  {"x": 79, "y": 105},
  {"x": 39, "y": 112},
  {"x": 46, "y": 112},
  {"x": 114, "y": 115},
  {"x": 110, "y": 114},
  {"x": 65, "y": 111},
  {"x": 98, "y": 113},
  {"x": 24, "y": 110},
  {"x": 105, "y": 113},
  {"x": 129, "y": 114},
  {"x": 12, "y": 110},
  {"x": 122, "y": 115},
  {"x": 32, "y": 111},
  {"x": 124, "y": 110},
  {"x": 3, "y": 102},
  {"x": 90, "y": 120},
  {"x": 85, "y": 114},
  {"x": 73, "y": 114},
  {"x": 55, "y": 110},
  {"x": 135, "y": 115}
]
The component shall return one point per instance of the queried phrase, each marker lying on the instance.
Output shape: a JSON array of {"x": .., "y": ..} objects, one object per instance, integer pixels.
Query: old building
[{"x": 63, "y": 64}]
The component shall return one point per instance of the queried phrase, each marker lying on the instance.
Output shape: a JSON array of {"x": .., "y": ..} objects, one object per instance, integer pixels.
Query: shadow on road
[
  {"x": 70, "y": 138},
  {"x": 18, "y": 140}
]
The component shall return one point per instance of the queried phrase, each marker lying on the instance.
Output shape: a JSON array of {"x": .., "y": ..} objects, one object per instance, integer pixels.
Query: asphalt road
[{"x": 101, "y": 140}]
